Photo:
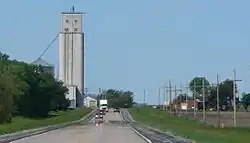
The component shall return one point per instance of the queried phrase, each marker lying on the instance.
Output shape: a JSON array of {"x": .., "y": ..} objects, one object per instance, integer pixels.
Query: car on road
[
  {"x": 116, "y": 109},
  {"x": 102, "y": 111},
  {"x": 99, "y": 117}
]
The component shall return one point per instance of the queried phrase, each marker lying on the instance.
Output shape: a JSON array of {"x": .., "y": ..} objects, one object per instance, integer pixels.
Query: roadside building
[
  {"x": 90, "y": 101},
  {"x": 186, "y": 105}
]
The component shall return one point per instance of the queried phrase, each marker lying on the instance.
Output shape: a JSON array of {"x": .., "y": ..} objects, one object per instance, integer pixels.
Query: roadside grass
[
  {"x": 21, "y": 123},
  {"x": 189, "y": 129}
]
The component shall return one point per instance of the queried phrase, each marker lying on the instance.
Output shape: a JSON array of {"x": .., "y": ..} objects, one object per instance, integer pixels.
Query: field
[
  {"x": 190, "y": 129},
  {"x": 226, "y": 118}
]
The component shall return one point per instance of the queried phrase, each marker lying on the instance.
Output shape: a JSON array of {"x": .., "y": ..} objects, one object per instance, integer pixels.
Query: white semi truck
[{"x": 103, "y": 105}]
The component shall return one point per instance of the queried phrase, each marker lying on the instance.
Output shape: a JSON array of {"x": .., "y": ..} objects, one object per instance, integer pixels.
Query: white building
[
  {"x": 90, "y": 102},
  {"x": 71, "y": 54}
]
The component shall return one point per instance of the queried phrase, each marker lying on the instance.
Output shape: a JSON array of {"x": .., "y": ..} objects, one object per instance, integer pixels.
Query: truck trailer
[{"x": 103, "y": 105}]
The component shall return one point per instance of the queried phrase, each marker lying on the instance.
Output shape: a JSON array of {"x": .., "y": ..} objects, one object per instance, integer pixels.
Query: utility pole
[
  {"x": 187, "y": 90},
  {"x": 144, "y": 97},
  {"x": 203, "y": 100},
  {"x": 170, "y": 95},
  {"x": 180, "y": 108},
  {"x": 103, "y": 93},
  {"x": 170, "y": 90},
  {"x": 194, "y": 99},
  {"x": 175, "y": 99},
  {"x": 218, "y": 101},
  {"x": 234, "y": 95},
  {"x": 164, "y": 97},
  {"x": 100, "y": 96},
  {"x": 100, "y": 92},
  {"x": 159, "y": 97}
]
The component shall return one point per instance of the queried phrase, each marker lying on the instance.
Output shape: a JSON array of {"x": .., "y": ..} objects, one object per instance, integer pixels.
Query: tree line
[
  {"x": 26, "y": 90},
  {"x": 225, "y": 90},
  {"x": 117, "y": 98}
]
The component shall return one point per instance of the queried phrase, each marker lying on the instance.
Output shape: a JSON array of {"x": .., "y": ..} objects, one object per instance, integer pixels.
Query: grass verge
[
  {"x": 189, "y": 129},
  {"x": 21, "y": 123}
]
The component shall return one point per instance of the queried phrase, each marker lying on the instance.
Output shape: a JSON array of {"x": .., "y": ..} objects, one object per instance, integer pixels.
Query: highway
[{"x": 111, "y": 131}]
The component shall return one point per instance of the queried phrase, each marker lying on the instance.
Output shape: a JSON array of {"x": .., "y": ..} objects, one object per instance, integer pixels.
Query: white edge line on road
[
  {"x": 142, "y": 136},
  {"x": 139, "y": 134},
  {"x": 39, "y": 133}
]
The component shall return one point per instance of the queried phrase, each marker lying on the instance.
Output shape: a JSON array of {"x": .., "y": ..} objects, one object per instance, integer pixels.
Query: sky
[{"x": 138, "y": 44}]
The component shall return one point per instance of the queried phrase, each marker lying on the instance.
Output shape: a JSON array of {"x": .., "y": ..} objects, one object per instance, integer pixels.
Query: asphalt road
[{"x": 111, "y": 131}]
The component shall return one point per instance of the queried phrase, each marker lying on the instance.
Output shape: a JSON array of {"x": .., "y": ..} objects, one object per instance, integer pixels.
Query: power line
[{"x": 49, "y": 46}]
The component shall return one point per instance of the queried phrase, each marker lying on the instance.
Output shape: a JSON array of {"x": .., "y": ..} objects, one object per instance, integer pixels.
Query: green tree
[
  {"x": 182, "y": 97},
  {"x": 8, "y": 88},
  {"x": 225, "y": 95},
  {"x": 6, "y": 97},
  {"x": 36, "y": 100},
  {"x": 43, "y": 95},
  {"x": 27, "y": 90},
  {"x": 60, "y": 102},
  {"x": 245, "y": 100},
  {"x": 195, "y": 86},
  {"x": 118, "y": 98}
]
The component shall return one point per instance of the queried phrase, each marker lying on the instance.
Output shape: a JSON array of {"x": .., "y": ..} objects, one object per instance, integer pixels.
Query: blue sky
[{"x": 138, "y": 44}]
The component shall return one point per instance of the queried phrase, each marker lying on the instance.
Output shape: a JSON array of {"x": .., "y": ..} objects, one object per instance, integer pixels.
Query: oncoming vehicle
[
  {"x": 101, "y": 115},
  {"x": 102, "y": 111},
  {"x": 99, "y": 118},
  {"x": 104, "y": 105}
]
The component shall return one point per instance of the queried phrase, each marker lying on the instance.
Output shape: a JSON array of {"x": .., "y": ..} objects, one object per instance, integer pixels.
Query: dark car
[
  {"x": 117, "y": 110},
  {"x": 98, "y": 118},
  {"x": 102, "y": 111},
  {"x": 99, "y": 115}
]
